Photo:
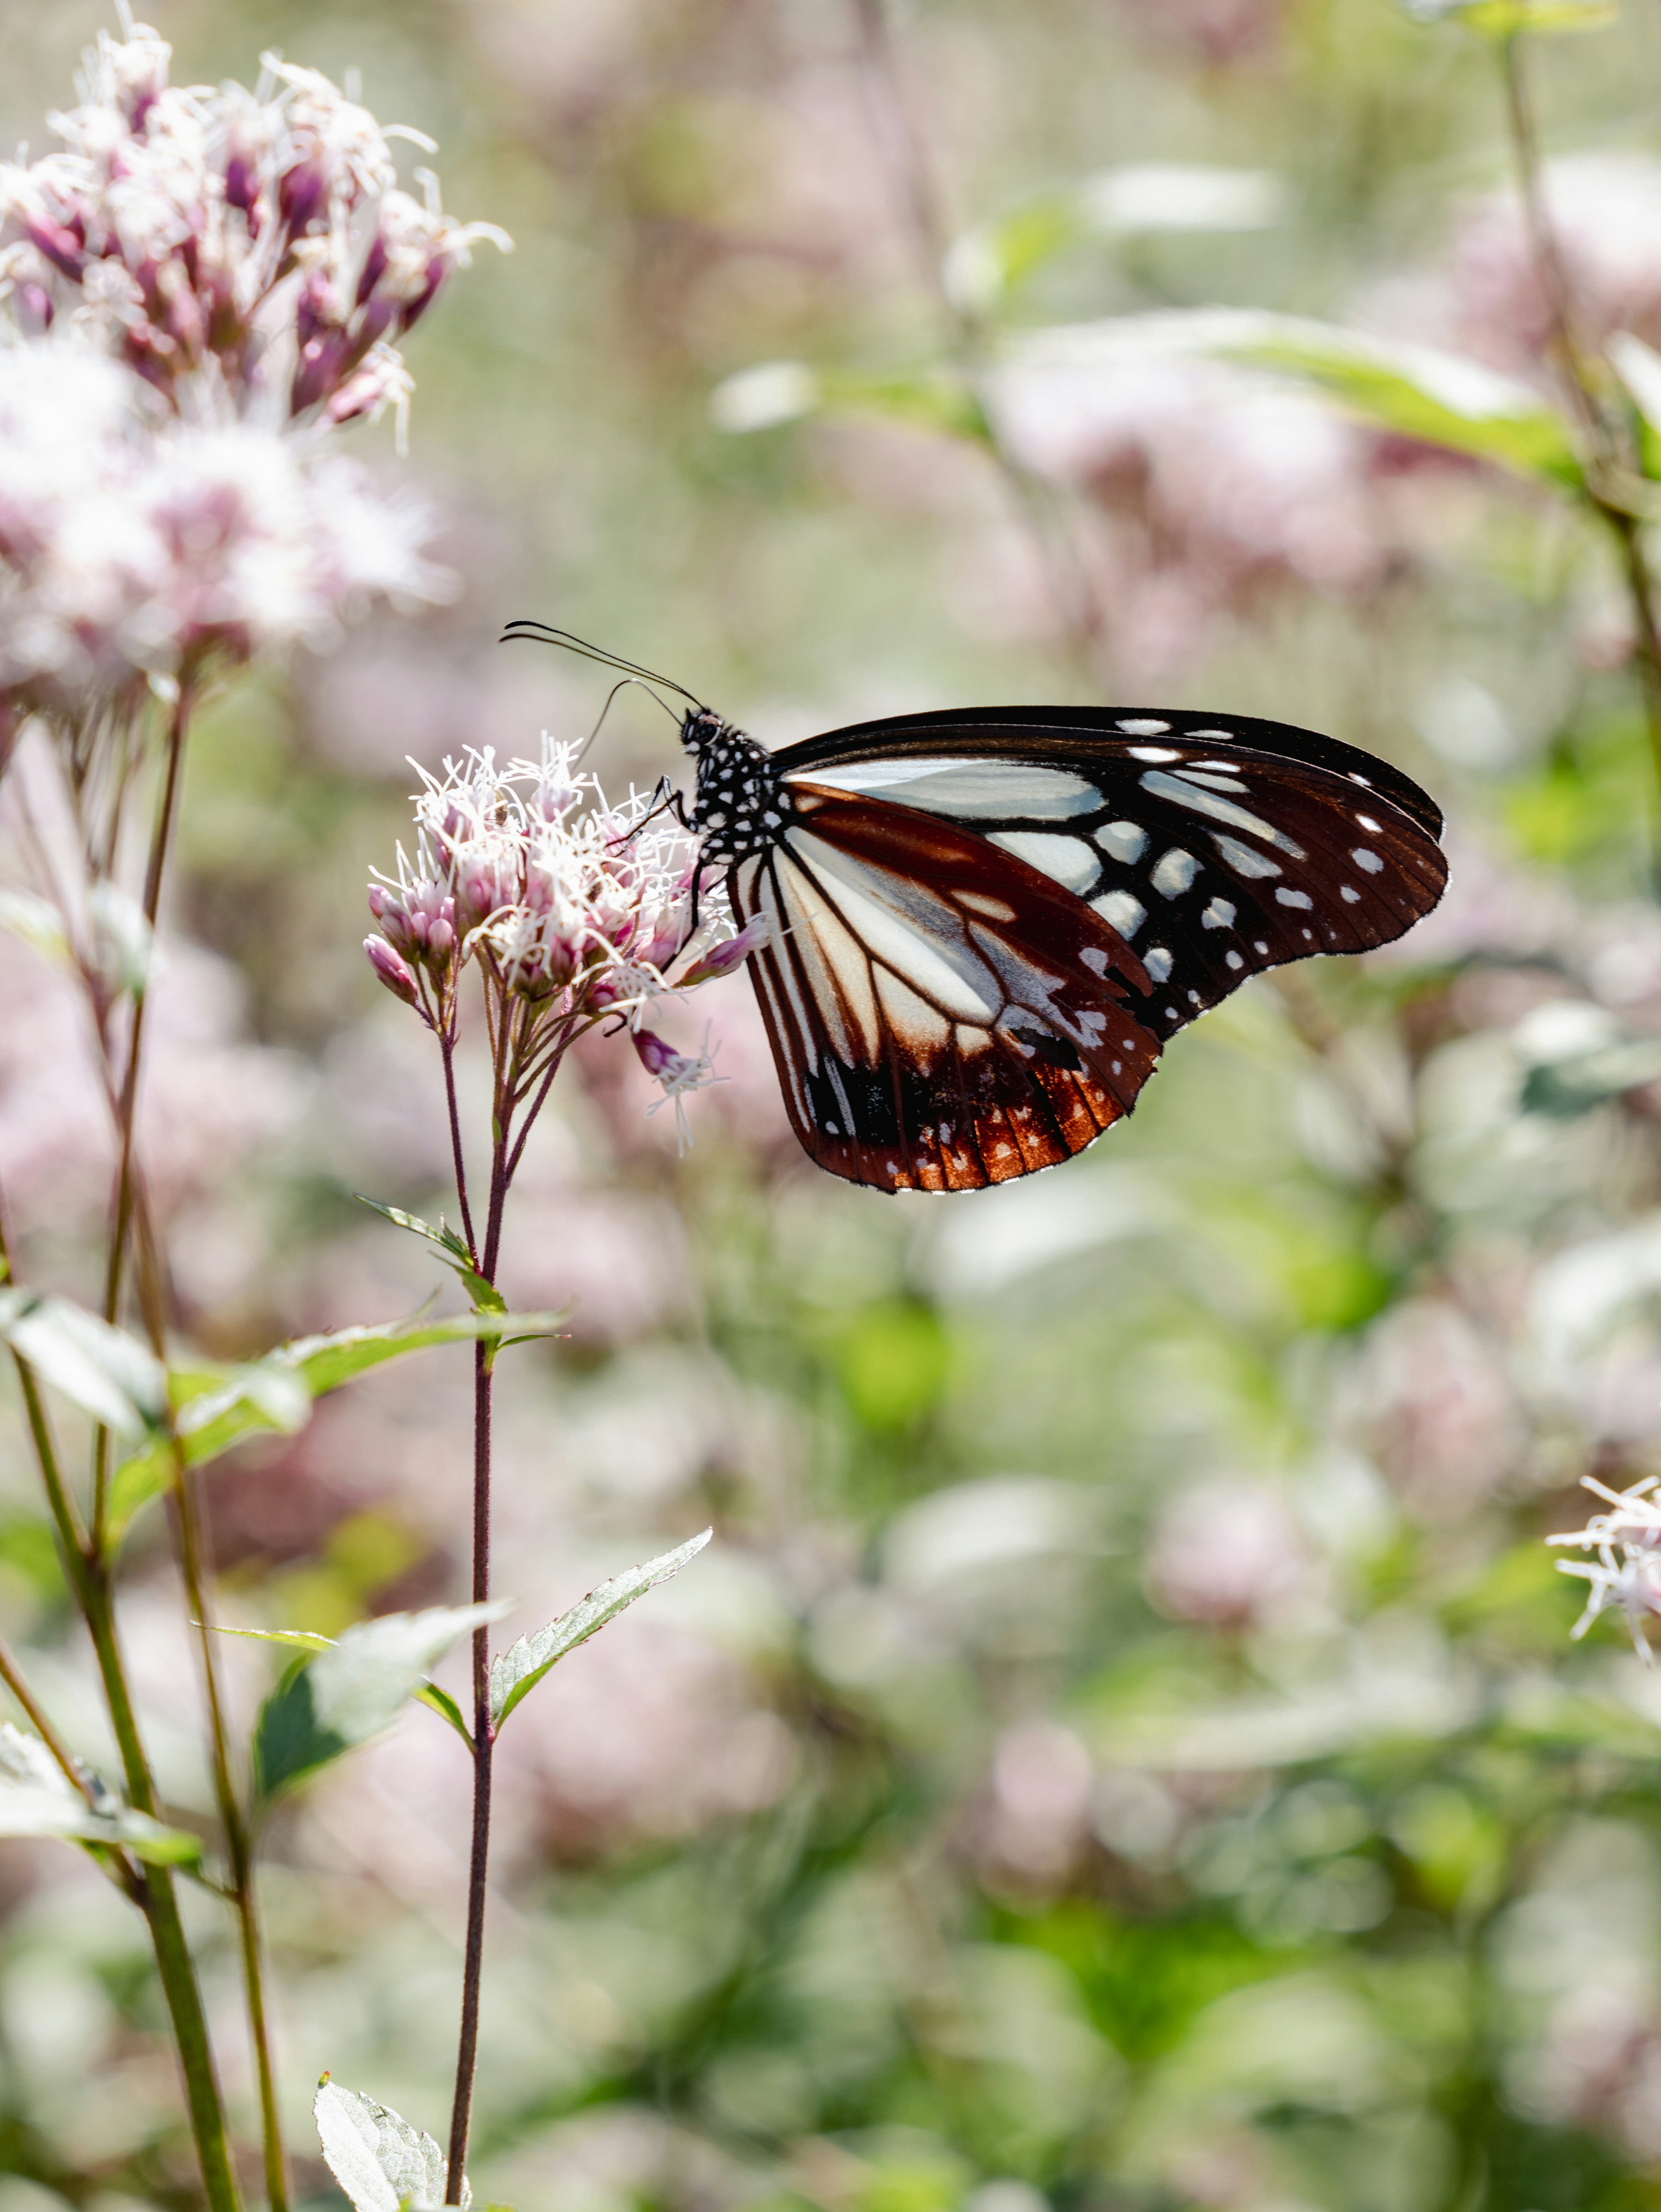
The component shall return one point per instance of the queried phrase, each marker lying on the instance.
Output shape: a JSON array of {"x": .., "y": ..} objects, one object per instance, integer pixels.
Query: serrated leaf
[
  {"x": 381, "y": 2161},
  {"x": 307, "y": 1639},
  {"x": 328, "y": 1703},
  {"x": 987, "y": 263},
  {"x": 1418, "y": 392},
  {"x": 1507, "y": 19},
  {"x": 515, "y": 1672},
  {"x": 37, "y": 1798},
  {"x": 251, "y": 1403},
  {"x": 99, "y": 1368},
  {"x": 444, "y": 1237}
]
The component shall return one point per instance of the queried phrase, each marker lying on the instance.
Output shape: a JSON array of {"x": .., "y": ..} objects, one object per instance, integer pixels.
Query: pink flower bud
[
  {"x": 659, "y": 1059},
  {"x": 721, "y": 959},
  {"x": 391, "y": 969}
]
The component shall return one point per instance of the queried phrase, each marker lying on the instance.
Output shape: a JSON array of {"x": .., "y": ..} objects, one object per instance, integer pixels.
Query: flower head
[
  {"x": 1627, "y": 1570},
  {"x": 574, "y": 911}
]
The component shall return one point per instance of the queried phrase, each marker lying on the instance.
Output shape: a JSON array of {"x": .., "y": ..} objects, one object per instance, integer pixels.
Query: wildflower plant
[
  {"x": 199, "y": 288},
  {"x": 572, "y": 915},
  {"x": 1627, "y": 1571}
]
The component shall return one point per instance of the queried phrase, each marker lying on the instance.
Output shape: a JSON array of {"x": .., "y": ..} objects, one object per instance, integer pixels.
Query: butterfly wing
[
  {"x": 943, "y": 1016},
  {"x": 1216, "y": 848}
]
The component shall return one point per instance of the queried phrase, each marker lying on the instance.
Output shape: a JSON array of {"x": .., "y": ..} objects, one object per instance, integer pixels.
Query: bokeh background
[{"x": 1124, "y": 1747}]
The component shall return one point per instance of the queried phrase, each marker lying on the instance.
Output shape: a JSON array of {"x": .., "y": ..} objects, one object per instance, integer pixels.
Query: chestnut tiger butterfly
[{"x": 986, "y": 922}]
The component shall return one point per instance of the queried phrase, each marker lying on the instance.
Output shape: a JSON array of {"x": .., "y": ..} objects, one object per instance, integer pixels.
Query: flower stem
[
  {"x": 89, "y": 1582},
  {"x": 484, "y": 1729},
  {"x": 1603, "y": 437},
  {"x": 131, "y": 1229}
]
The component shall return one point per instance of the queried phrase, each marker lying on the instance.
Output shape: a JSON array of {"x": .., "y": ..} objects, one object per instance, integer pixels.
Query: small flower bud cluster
[
  {"x": 1627, "y": 1571},
  {"x": 574, "y": 910},
  {"x": 252, "y": 246}
]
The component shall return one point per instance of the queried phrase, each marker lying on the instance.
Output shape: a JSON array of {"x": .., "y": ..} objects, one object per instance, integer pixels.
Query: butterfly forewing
[
  {"x": 1216, "y": 850},
  {"x": 942, "y": 1015}
]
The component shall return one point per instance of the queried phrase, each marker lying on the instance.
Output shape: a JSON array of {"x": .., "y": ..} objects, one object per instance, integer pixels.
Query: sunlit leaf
[
  {"x": 99, "y": 1368},
  {"x": 1418, "y": 392},
  {"x": 1507, "y": 19},
  {"x": 515, "y": 1672},
  {"x": 274, "y": 1394},
  {"x": 991, "y": 260},
  {"x": 778, "y": 391},
  {"x": 381, "y": 2162},
  {"x": 307, "y": 1639},
  {"x": 122, "y": 940},
  {"x": 37, "y": 1798},
  {"x": 486, "y": 1296},
  {"x": 328, "y": 1703}
]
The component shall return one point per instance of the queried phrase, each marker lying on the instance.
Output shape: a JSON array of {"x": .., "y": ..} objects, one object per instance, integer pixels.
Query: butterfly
[{"x": 985, "y": 923}]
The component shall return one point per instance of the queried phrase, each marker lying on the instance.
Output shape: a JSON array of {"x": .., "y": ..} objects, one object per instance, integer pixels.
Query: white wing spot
[
  {"x": 1219, "y": 914},
  {"x": 1227, "y": 736},
  {"x": 1367, "y": 822},
  {"x": 1170, "y": 1014},
  {"x": 1157, "y": 960},
  {"x": 1366, "y": 782},
  {"x": 1370, "y": 861},
  {"x": 1095, "y": 959},
  {"x": 1118, "y": 1067},
  {"x": 1120, "y": 911},
  {"x": 1173, "y": 872},
  {"x": 1243, "y": 859},
  {"x": 1257, "y": 945},
  {"x": 1233, "y": 958},
  {"x": 1153, "y": 753},
  {"x": 1293, "y": 898},
  {"x": 1125, "y": 840},
  {"x": 1349, "y": 895},
  {"x": 1310, "y": 934},
  {"x": 995, "y": 909},
  {"x": 1134, "y": 727},
  {"x": 1194, "y": 999},
  {"x": 1066, "y": 861}
]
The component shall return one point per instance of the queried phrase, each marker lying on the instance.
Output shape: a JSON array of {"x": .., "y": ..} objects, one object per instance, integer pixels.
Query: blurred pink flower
[
  {"x": 1437, "y": 1400},
  {"x": 1228, "y": 1554},
  {"x": 1627, "y": 1571},
  {"x": 1216, "y": 32},
  {"x": 1212, "y": 491},
  {"x": 1606, "y": 211},
  {"x": 1034, "y": 1818}
]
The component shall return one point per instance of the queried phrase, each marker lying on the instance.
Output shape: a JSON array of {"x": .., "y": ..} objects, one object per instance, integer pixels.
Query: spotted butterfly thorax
[{"x": 985, "y": 923}]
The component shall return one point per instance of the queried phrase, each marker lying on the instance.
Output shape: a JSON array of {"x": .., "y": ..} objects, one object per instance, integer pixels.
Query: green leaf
[
  {"x": 37, "y": 1798},
  {"x": 307, "y": 1639},
  {"x": 1416, "y": 390},
  {"x": 122, "y": 940},
  {"x": 99, "y": 1368},
  {"x": 328, "y": 1703},
  {"x": 515, "y": 1672},
  {"x": 987, "y": 263},
  {"x": 383, "y": 2164},
  {"x": 444, "y": 1237},
  {"x": 1507, "y": 19},
  {"x": 267, "y": 1396},
  {"x": 778, "y": 391}
]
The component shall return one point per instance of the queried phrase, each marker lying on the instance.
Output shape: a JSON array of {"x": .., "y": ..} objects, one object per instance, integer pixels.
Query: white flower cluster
[
  {"x": 574, "y": 909},
  {"x": 1627, "y": 1571},
  {"x": 199, "y": 285},
  {"x": 131, "y": 550}
]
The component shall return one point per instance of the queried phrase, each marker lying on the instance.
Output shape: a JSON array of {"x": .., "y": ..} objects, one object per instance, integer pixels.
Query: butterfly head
[{"x": 742, "y": 805}]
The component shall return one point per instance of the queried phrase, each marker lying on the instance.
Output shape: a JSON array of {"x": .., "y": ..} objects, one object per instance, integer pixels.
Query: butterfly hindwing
[{"x": 943, "y": 1016}]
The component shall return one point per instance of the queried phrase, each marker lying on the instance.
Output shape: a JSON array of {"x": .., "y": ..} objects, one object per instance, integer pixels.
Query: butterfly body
[{"x": 985, "y": 924}]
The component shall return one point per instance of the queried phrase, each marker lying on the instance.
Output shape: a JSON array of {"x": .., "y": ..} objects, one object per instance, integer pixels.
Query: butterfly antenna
[
  {"x": 622, "y": 684},
  {"x": 539, "y": 632}
]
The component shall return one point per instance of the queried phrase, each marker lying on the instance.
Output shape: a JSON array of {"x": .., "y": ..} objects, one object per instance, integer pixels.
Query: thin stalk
[
  {"x": 446, "y": 1045},
  {"x": 483, "y": 1728},
  {"x": 131, "y": 1227},
  {"x": 1604, "y": 436},
  {"x": 159, "y": 1901},
  {"x": 1065, "y": 573},
  {"x": 121, "y": 1207}
]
